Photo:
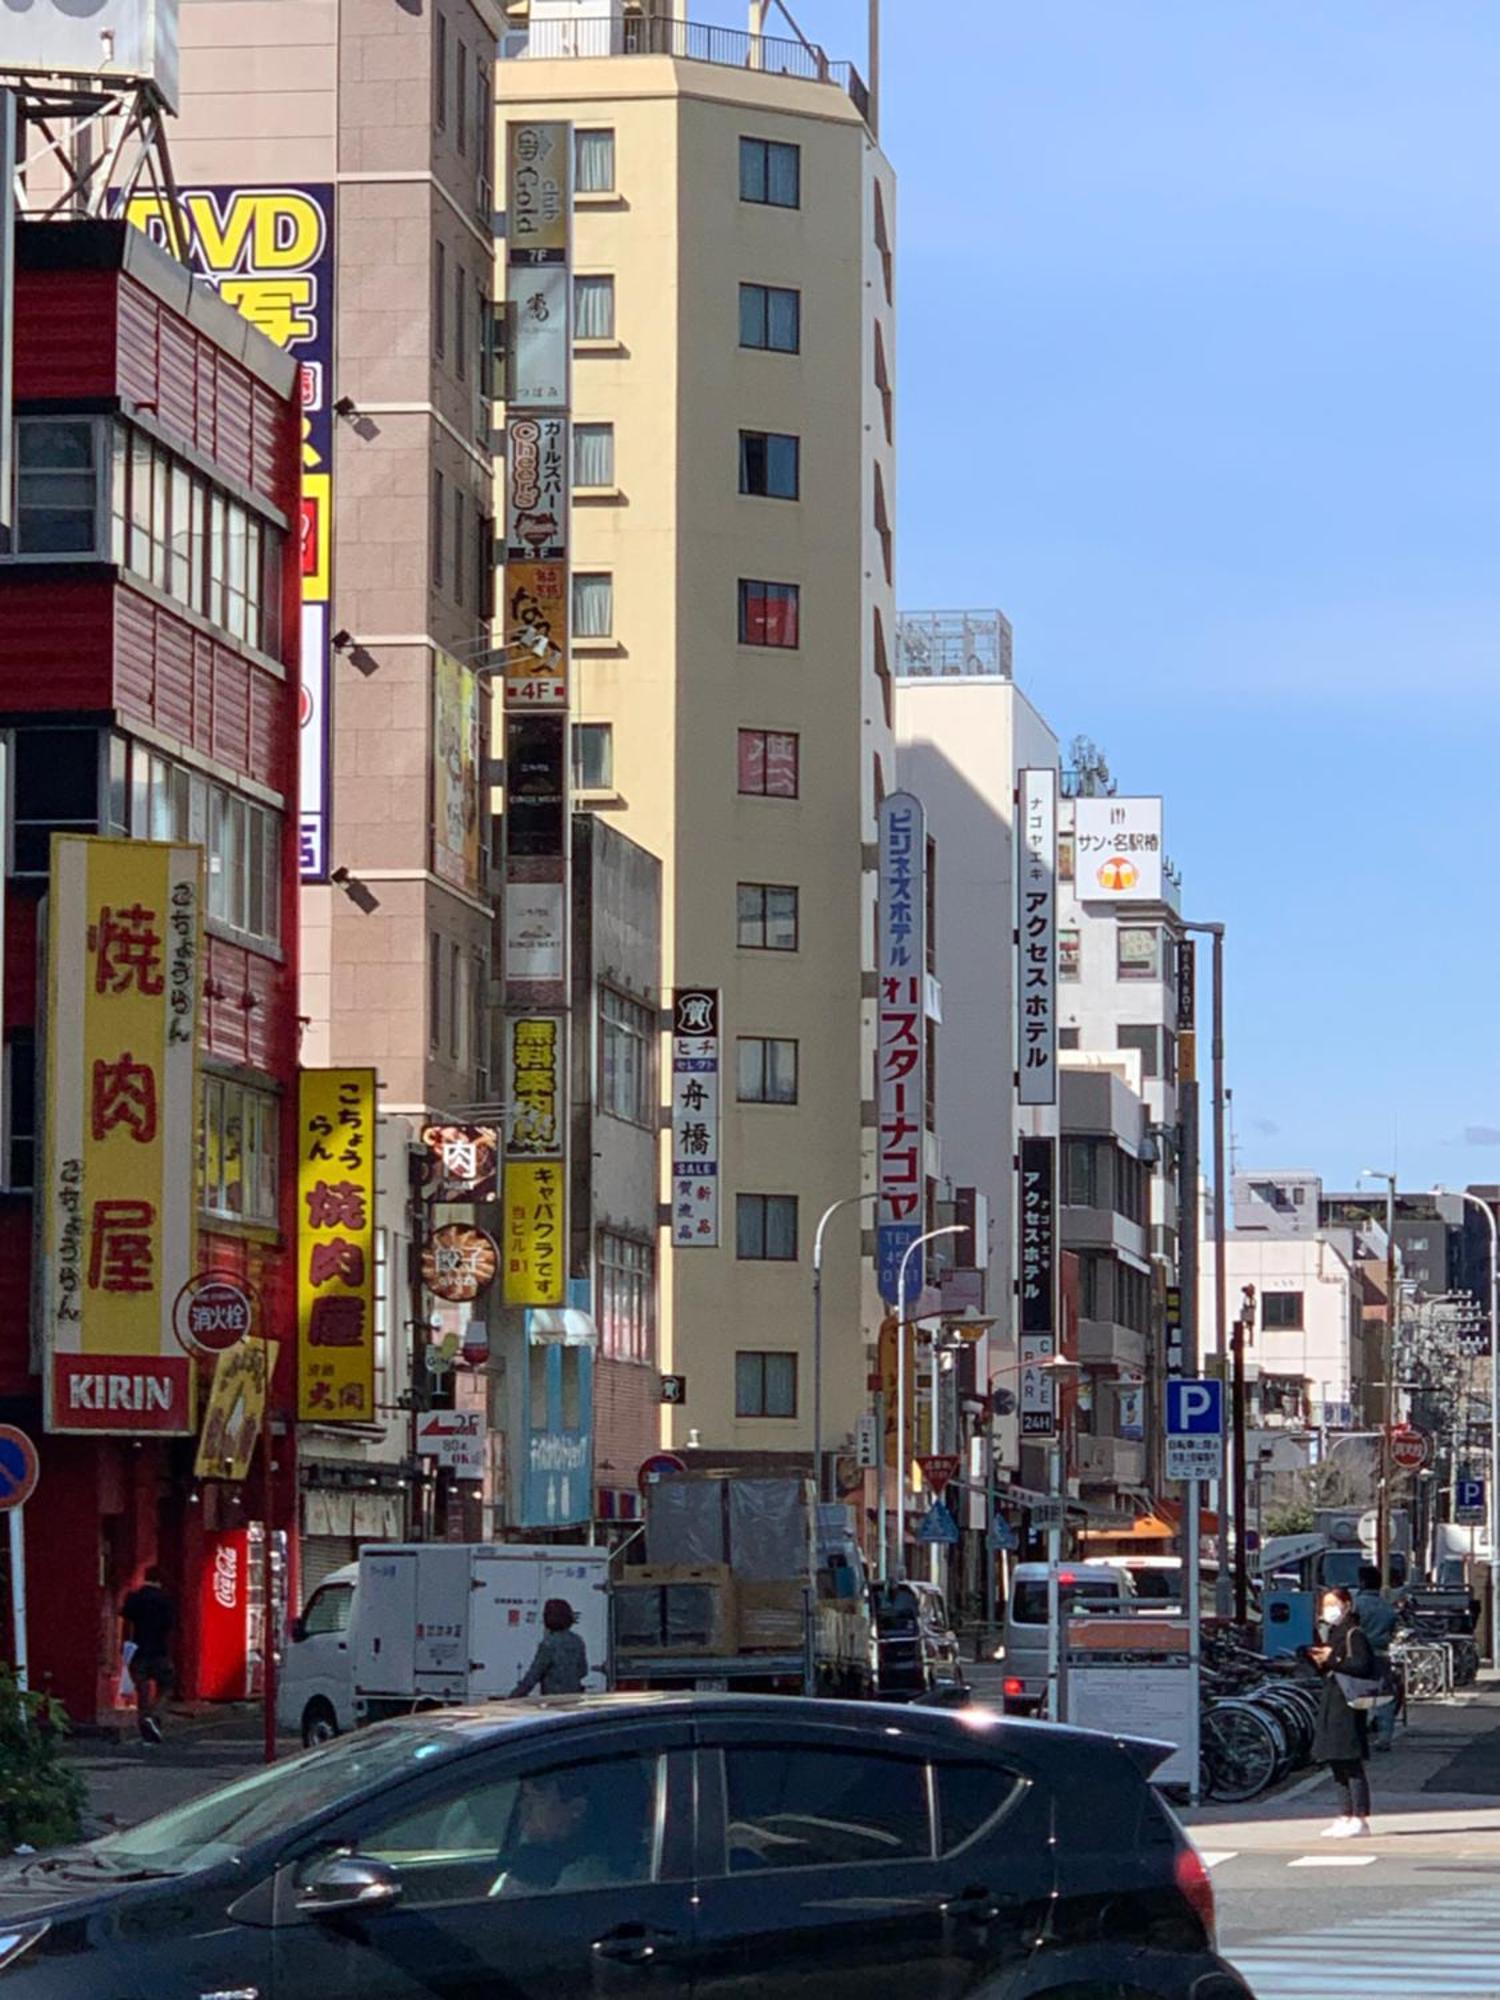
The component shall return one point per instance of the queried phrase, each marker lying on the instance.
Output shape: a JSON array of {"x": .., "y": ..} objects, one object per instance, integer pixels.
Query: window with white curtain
[
  {"x": 593, "y": 604},
  {"x": 594, "y": 162},
  {"x": 593, "y": 308},
  {"x": 593, "y": 454}
]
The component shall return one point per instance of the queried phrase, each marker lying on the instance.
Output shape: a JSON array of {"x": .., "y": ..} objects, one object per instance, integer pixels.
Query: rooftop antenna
[{"x": 1089, "y": 773}]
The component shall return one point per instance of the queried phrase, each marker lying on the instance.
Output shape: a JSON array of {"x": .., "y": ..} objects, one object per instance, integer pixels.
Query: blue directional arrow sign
[{"x": 938, "y": 1525}]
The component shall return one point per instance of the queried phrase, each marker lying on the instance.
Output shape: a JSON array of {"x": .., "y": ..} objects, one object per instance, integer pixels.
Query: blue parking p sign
[
  {"x": 1469, "y": 1500},
  {"x": 1195, "y": 1409}
]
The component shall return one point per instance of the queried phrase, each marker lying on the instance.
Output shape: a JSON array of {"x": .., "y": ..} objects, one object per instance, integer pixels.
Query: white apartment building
[{"x": 963, "y": 732}]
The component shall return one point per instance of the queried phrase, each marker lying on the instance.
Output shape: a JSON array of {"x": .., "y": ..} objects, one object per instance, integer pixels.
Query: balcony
[
  {"x": 1111, "y": 1461},
  {"x": 1104, "y": 1343},
  {"x": 689, "y": 41}
]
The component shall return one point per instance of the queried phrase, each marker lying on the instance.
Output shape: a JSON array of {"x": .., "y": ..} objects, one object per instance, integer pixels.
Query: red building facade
[{"x": 148, "y": 689}]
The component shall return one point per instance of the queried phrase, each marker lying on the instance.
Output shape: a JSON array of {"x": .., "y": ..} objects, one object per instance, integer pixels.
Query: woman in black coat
[{"x": 1341, "y": 1739}]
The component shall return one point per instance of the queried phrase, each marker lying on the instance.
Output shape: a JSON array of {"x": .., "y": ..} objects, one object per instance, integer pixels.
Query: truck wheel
[{"x": 319, "y": 1723}]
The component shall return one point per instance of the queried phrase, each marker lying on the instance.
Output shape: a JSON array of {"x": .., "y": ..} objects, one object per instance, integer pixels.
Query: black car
[
  {"x": 723, "y": 1848},
  {"x": 917, "y": 1651}
]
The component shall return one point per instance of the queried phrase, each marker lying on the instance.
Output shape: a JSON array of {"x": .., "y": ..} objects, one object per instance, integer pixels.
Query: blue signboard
[
  {"x": 1195, "y": 1409},
  {"x": 937, "y": 1525}
]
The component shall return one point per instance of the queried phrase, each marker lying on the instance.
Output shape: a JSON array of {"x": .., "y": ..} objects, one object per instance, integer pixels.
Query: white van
[
  {"x": 416, "y": 1624},
  {"x": 1079, "y": 1586},
  {"x": 315, "y": 1690}
]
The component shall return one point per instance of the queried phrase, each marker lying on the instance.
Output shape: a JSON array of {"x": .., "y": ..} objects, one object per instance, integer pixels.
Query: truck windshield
[{"x": 227, "y": 1823}]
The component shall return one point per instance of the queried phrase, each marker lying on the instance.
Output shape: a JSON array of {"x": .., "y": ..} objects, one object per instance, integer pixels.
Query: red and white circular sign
[
  {"x": 213, "y": 1313},
  {"x": 1410, "y": 1448}
]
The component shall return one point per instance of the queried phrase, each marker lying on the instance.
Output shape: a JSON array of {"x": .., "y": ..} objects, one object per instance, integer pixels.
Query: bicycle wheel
[{"x": 1242, "y": 1751}]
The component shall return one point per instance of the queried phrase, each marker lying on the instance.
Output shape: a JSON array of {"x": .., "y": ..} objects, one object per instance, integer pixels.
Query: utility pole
[
  {"x": 1221, "y": 1220},
  {"x": 1242, "y": 1330},
  {"x": 1388, "y": 1376}
]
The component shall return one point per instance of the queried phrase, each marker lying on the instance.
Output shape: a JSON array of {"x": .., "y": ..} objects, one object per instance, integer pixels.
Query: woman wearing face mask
[{"x": 1341, "y": 1740}]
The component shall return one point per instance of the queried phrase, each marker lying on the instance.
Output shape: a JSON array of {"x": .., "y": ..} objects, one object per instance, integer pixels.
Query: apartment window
[
  {"x": 241, "y": 840},
  {"x": 765, "y": 1384},
  {"x": 18, "y": 1103},
  {"x": 440, "y": 299},
  {"x": 594, "y": 161},
  {"x": 593, "y": 308},
  {"x": 1281, "y": 1312},
  {"x": 593, "y": 454},
  {"x": 1082, "y": 1178},
  {"x": 1065, "y": 857},
  {"x": 57, "y": 486},
  {"x": 771, "y": 173},
  {"x": 627, "y": 1067},
  {"x": 769, "y": 464},
  {"x": 460, "y": 322},
  {"x": 1147, "y": 1042},
  {"x": 55, "y": 790},
  {"x": 479, "y": 1014},
  {"x": 770, "y": 613},
  {"x": 237, "y": 1151},
  {"x": 440, "y": 76},
  {"x": 434, "y": 992},
  {"x": 455, "y": 1006},
  {"x": 1138, "y": 951},
  {"x": 438, "y": 504},
  {"x": 771, "y": 318},
  {"x": 593, "y": 756},
  {"x": 483, "y": 121},
  {"x": 461, "y": 98},
  {"x": 767, "y": 917},
  {"x": 768, "y": 763},
  {"x": 593, "y": 604},
  {"x": 1069, "y": 955},
  {"x": 627, "y": 1298},
  {"x": 767, "y": 1070},
  {"x": 460, "y": 531}
]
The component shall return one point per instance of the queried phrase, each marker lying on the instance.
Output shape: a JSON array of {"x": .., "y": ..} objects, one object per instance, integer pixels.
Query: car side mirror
[
  {"x": 343, "y": 1882},
  {"x": 298, "y": 1631}
]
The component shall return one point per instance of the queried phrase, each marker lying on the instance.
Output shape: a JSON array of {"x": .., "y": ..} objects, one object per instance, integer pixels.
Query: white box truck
[{"x": 435, "y": 1622}]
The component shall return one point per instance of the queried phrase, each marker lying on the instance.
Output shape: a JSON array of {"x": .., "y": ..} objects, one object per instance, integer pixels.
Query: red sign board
[
  {"x": 1410, "y": 1448},
  {"x": 212, "y": 1314},
  {"x": 939, "y": 1469},
  {"x": 122, "y": 1392}
]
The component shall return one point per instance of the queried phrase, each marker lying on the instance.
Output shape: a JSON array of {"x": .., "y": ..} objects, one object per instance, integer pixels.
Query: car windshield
[
  {"x": 227, "y": 1823},
  {"x": 1029, "y": 1605}
]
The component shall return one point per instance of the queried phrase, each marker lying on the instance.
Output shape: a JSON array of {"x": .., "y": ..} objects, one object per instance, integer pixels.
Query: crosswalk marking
[
  {"x": 1333, "y": 1861},
  {"x": 1409, "y": 1954},
  {"x": 1210, "y": 1859}
]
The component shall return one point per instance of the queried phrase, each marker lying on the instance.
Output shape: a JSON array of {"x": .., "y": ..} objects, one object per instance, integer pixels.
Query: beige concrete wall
[{"x": 676, "y": 685}]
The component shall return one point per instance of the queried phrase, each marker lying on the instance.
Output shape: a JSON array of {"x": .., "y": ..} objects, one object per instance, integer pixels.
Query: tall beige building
[{"x": 732, "y": 554}]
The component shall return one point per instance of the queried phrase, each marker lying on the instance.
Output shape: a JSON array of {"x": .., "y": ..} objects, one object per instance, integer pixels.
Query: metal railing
[{"x": 692, "y": 41}]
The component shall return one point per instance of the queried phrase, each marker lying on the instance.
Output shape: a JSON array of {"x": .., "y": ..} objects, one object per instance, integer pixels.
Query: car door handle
[
  {"x": 974, "y": 1905},
  {"x": 633, "y": 1944}
]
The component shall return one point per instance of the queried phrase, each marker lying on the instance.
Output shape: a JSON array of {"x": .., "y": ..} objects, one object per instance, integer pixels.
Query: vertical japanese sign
[
  {"x": 1037, "y": 1282},
  {"x": 538, "y": 483},
  {"x": 120, "y": 1213},
  {"x": 901, "y": 1039},
  {"x": 1187, "y": 1011},
  {"x": 534, "y": 1094},
  {"x": 695, "y": 1118},
  {"x": 535, "y": 1260},
  {"x": 889, "y": 1364},
  {"x": 336, "y": 1246},
  {"x": 269, "y": 251},
  {"x": 1036, "y": 939},
  {"x": 455, "y": 773}
]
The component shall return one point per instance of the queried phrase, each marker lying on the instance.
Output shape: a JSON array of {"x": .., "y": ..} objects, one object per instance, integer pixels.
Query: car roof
[
  {"x": 481, "y": 1724},
  {"x": 1096, "y": 1571}
]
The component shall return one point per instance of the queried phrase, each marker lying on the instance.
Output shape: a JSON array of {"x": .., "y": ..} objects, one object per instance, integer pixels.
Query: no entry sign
[{"x": 19, "y": 1468}]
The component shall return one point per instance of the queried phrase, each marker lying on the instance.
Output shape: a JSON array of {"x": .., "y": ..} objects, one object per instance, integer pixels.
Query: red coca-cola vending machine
[{"x": 232, "y": 1611}]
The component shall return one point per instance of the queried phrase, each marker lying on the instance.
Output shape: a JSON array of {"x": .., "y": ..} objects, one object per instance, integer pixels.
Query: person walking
[
  {"x": 1346, "y": 1661},
  {"x": 1377, "y": 1620},
  {"x": 149, "y": 1615},
  {"x": 561, "y": 1662}
]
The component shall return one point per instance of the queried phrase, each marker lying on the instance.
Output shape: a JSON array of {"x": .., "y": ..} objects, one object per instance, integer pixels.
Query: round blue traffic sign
[{"x": 19, "y": 1468}]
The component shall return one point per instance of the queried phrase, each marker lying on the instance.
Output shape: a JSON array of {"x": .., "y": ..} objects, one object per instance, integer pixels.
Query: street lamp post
[
  {"x": 848, "y": 1201},
  {"x": 949, "y": 1229},
  {"x": 1388, "y": 1373},
  {"x": 1494, "y": 1489}
]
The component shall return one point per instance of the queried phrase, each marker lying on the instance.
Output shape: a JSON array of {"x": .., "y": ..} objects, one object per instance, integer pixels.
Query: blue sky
[{"x": 1198, "y": 361}]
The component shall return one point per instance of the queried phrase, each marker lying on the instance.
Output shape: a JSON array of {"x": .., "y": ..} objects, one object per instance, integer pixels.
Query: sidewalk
[
  {"x": 129, "y": 1780},
  {"x": 1441, "y": 1782}
]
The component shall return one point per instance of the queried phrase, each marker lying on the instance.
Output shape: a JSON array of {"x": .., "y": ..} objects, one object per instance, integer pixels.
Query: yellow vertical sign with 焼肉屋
[{"x": 336, "y": 1246}]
